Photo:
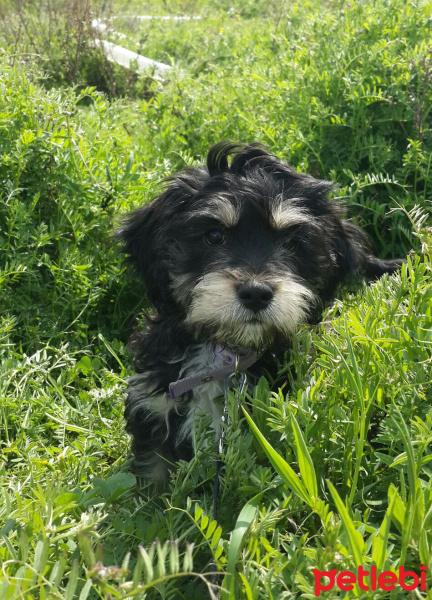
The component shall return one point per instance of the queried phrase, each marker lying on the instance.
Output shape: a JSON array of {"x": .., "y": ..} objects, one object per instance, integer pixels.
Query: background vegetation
[{"x": 341, "y": 90}]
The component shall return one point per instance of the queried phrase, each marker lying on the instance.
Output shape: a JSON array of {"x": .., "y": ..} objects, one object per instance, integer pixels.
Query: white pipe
[{"x": 128, "y": 59}]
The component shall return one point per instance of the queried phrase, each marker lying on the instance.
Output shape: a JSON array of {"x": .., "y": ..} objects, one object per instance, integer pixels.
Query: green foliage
[
  {"x": 60, "y": 36},
  {"x": 334, "y": 469},
  {"x": 59, "y": 186}
]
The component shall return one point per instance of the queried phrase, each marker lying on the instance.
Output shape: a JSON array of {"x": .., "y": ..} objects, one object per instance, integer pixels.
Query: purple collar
[{"x": 238, "y": 360}]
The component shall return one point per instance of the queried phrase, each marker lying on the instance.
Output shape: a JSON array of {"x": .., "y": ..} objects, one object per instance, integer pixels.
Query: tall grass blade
[
  {"x": 355, "y": 538},
  {"x": 306, "y": 465},
  {"x": 245, "y": 518},
  {"x": 280, "y": 465}
]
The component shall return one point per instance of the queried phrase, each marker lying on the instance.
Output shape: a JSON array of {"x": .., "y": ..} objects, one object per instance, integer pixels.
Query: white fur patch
[
  {"x": 182, "y": 286},
  {"x": 285, "y": 214},
  {"x": 140, "y": 397},
  {"x": 215, "y": 304},
  {"x": 221, "y": 209}
]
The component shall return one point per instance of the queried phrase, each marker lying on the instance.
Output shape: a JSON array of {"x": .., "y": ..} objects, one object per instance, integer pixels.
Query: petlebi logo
[{"x": 387, "y": 580}]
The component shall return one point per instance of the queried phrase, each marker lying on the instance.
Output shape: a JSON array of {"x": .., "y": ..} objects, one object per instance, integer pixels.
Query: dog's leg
[
  {"x": 155, "y": 446},
  {"x": 155, "y": 422}
]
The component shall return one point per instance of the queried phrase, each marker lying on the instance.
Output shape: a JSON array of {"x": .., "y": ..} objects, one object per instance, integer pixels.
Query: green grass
[{"x": 333, "y": 470}]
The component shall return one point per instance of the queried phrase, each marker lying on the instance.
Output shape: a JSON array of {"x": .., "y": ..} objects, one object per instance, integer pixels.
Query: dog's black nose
[{"x": 255, "y": 296}]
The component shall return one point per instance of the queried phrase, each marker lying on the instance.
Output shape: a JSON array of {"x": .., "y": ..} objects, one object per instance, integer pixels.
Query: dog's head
[{"x": 242, "y": 253}]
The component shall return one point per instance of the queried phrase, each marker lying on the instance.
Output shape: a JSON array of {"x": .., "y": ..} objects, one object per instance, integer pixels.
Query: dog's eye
[
  {"x": 215, "y": 237},
  {"x": 291, "y": 245}
]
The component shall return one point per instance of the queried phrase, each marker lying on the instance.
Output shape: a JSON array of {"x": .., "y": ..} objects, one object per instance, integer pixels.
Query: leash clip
[{"x": 236, "y": 380}]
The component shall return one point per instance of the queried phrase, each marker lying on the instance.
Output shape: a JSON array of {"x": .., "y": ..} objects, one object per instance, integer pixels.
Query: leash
[{"x": 240, "y": 386}]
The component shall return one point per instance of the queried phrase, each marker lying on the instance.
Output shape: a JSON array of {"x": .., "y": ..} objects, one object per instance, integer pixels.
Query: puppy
[{"x": 235, "y": 258}]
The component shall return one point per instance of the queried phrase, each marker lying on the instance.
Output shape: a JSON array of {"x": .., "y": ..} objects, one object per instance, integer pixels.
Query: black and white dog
[{"x": 235, "y": 257}]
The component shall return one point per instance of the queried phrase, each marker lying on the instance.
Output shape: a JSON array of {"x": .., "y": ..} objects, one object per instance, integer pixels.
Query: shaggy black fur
[{"x": 239, "y": 253}]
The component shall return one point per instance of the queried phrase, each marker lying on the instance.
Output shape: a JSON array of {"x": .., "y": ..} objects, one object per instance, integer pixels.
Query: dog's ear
[
  {"x": 139, "y": 235},
  {"x": 355, "y": 259},
  {"x": 145, "y": 233}
]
